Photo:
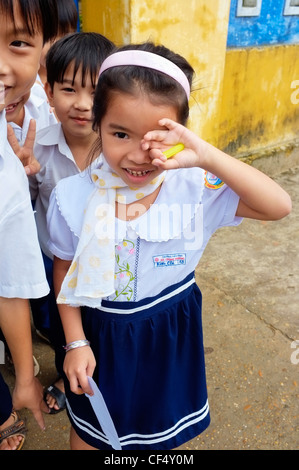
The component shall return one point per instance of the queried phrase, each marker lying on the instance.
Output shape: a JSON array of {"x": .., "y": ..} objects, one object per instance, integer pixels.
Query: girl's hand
[
  {"x": 25, "y": 153},
  {"x": 158, "y": 141},
  {"x": 79, "y": 364}
]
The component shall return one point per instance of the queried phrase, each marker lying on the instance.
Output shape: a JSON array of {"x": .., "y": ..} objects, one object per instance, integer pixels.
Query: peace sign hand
[{"x": 25, "y": 153}]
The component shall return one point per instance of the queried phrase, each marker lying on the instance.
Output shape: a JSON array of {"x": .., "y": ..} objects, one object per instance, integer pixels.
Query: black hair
[
  {"x": 38, "y": 15},
  {"x": 67, "y": 17},
  {"x": 84, "y": 49},
  {"x": 130, "y": 79}
]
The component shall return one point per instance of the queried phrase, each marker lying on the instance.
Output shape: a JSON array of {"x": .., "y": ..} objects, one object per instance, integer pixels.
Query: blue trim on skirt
[{"x": 150, "y": 370}]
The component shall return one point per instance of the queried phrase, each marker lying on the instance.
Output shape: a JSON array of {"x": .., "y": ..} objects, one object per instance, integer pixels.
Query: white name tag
[{"x": 176, "y": 259}]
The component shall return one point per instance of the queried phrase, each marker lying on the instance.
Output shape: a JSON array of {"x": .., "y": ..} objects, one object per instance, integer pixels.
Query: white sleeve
[
  {"x": 22, "y": 268},
  {"x": 220, "y": 206},
  {"x": 62, "y": 241}
]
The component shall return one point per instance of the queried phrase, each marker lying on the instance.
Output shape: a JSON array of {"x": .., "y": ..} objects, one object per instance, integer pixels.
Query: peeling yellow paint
[
  {"x": 112, "y": 18},
  {"x": 256, "y": 101}
]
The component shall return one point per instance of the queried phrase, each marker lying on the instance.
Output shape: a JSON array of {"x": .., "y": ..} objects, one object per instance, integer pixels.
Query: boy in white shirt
[{"x": 24, "y": 26}]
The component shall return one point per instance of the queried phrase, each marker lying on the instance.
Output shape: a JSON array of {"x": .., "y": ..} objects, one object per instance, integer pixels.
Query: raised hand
[
  {"x": 25, "y": 152},
  {"x": 159, "y": 140}
]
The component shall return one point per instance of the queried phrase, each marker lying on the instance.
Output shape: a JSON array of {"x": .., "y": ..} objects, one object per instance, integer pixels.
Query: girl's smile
[
  {"x": 122, "y": 134},
  {"x": 138, "y": 178}
]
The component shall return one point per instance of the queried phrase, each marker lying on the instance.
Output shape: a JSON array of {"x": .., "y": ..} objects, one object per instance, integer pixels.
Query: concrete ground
[{"x": 249, "y": 277}]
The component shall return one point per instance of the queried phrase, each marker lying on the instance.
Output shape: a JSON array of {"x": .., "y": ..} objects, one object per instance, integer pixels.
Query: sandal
[
  {"x": 18, "y": 428},
  {"x": 58, "y": 395}
]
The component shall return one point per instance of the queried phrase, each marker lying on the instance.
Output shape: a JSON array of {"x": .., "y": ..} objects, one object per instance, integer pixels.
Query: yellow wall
[
  {"x": 112, "y": 18},
  {"x": 257, "y": 109},
  {"x": 242, "y": 97}
]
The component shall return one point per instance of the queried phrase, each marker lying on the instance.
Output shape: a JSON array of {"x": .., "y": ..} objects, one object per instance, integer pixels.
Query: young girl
[
  {"x": 62, "y": 149},
  {"x": 127, "y": 238},
  {"x": 24, "y": 26}
]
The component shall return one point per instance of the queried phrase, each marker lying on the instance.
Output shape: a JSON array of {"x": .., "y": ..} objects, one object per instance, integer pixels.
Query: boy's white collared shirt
[
  {"x": 21, "y": 265},
  {"x": 57, "y": 162}
]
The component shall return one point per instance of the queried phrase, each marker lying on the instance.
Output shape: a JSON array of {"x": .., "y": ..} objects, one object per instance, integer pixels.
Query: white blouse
[{"x": 161, "y": 247}]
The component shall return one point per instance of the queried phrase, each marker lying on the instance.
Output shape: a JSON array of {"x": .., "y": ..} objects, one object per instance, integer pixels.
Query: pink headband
[{"x": 149, "y": 60}]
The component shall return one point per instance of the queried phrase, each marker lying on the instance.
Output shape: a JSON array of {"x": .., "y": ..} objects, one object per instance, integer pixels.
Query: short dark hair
[
  {"x": 67, "y": 17},
  {"x": 38, "y": 15},
  {"x": 84, "y": 49}
]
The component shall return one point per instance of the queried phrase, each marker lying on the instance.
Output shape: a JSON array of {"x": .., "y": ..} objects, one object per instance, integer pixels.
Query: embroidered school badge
[{"x": 212, "y": 181}]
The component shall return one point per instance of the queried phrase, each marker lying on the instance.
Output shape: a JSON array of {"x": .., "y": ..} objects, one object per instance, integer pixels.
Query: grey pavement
[{"x": 249, "y": 277}]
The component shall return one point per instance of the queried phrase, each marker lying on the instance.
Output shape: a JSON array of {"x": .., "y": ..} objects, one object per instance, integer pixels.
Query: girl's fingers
[
  {"x": 155, "y": 136},
  {"x": 80, "y": 385},
  {"x": 85, "y": 386},
  {"x": 168, "y": 137},
  {"x": 75, "y": 385},
  {"x": 168, "y": 123}
]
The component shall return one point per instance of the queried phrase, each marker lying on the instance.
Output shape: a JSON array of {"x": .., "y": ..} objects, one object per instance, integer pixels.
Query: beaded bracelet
[{"x": 76, "y": 344}]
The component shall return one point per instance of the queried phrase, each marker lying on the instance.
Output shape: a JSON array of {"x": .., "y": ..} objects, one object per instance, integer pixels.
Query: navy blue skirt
[{"x": 150, "y": 370}]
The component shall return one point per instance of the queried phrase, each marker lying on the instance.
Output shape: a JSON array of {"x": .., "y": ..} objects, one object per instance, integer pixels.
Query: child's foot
[
  {"x": 12, "y": 433},
  {"x": 54, "y": 396}
]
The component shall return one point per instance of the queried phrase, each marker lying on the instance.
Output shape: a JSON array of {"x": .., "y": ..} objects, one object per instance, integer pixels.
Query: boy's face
[
  {"x": 19, "y": 60},
  {"x": 73, "y": 103}
]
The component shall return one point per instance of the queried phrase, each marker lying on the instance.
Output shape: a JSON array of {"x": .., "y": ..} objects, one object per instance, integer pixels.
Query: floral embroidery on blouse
[{"x": 123, "y": 272}]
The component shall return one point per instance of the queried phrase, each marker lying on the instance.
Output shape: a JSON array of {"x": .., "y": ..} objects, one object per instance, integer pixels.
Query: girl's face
[
  {"x": 19, "y": 60},
  {"x": 73, "y": 103},
  {"x": 127, "y": 120}
]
